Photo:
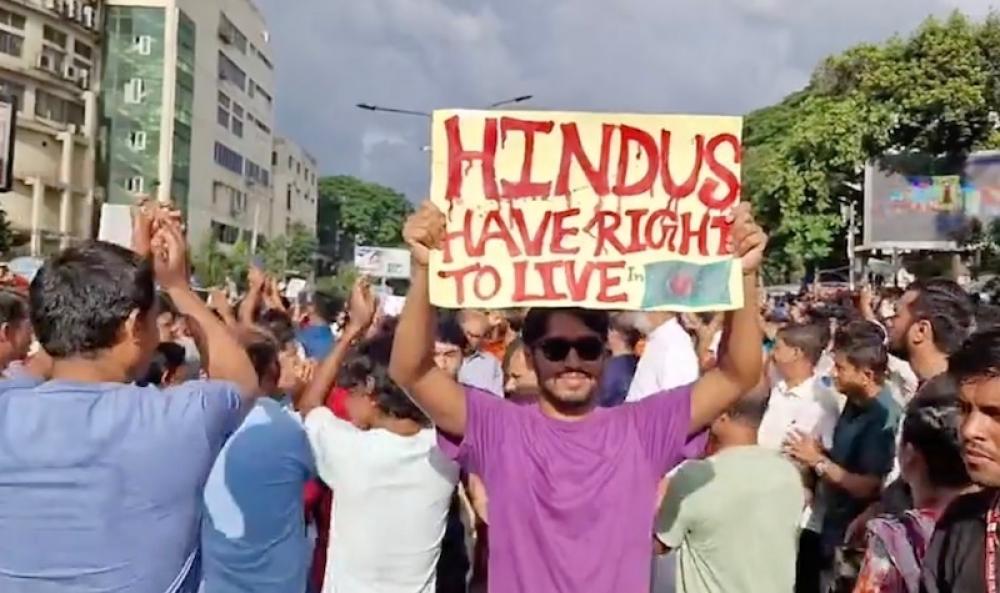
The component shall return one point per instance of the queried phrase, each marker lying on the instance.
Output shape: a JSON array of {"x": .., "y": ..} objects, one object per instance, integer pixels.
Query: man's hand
[
  {"x": 803, "y": 448},
  {"x": 143, "y": 218},
  {"x": 170, "y": 263},
  {"x": 217, "y": 300},
  {"x": 256, "y": 278},
  {"x": 423, "y": 231},
  {"x": 361, "y": 308},
  {"x": 747, "y": 239}
]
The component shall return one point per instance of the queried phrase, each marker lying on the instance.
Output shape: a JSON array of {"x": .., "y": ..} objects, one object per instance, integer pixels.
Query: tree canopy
[
  {"x": 370, "y": 213},
  {"x": 935, "y": 91}
]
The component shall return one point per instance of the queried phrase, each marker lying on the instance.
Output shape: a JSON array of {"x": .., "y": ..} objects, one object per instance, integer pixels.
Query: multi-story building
[
  {"x": 188, "y": 111},
  {"x": 296, "y": 188},
  {"x": 50, "y": 64}
]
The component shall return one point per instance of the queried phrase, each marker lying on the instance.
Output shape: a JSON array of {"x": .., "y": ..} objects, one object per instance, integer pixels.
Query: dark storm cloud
[{"x": 700, "y": 56}]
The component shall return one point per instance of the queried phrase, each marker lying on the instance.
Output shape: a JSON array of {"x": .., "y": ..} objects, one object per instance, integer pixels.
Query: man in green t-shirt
[{"x": 734, "y": 517}]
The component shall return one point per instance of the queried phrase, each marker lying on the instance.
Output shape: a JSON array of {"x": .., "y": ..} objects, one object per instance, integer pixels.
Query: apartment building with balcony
[
  {"x": 188, "y": 112},
  {"x": 50, "y": 63},
  {"x": 296, "y": 188}
]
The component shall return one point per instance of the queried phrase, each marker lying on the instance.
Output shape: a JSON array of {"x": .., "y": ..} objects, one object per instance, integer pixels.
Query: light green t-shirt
[{"x": 734, "y": 520}]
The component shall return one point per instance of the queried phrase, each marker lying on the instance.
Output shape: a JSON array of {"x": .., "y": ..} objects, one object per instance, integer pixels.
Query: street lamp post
[{"x": 413, "y": 112}]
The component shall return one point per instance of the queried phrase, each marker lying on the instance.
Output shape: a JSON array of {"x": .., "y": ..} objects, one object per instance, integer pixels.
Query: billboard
[
  {"x": 382, "y": 262},
  {"x": 915, "y": 201}
]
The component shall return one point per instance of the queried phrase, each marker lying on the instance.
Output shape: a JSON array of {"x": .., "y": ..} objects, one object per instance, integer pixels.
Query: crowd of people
[{"x": 152, "y": 441}]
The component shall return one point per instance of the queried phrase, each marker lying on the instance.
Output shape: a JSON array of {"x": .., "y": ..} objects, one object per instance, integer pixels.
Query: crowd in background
[{"x": 154, "y": 441}]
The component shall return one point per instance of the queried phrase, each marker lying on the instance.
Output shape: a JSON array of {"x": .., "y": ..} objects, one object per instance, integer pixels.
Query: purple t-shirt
[{"x": 571, "y": 504}]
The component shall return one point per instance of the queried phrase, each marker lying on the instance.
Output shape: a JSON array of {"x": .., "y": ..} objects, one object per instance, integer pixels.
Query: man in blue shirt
[
  {"x": 101, "y": 480},
  {"x": 317, "y": 339},
  {"x": 254, "y": 533},
  {"x": 851, "y": 473}
]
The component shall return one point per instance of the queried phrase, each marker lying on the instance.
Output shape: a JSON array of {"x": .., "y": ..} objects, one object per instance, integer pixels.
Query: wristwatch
[{"x": 822, "y": 466}]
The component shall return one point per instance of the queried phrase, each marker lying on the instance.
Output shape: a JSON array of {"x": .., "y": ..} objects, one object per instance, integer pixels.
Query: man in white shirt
[
  {"x": 392, "y": 484},
  {"x": 479, "y": 369},
  {"x": 800, "y": 402},
  {"x": 669, "y": 359}
]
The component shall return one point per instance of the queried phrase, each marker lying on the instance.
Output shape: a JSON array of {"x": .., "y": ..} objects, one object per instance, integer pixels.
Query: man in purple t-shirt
[{"x": 572, "y": 486}]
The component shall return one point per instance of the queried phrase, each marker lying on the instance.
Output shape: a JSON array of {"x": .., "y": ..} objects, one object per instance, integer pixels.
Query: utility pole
[{"x": 848, "y": 215}]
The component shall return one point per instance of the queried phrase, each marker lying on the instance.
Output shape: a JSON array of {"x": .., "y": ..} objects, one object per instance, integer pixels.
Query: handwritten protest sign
[{"x": 594, "y": 210}]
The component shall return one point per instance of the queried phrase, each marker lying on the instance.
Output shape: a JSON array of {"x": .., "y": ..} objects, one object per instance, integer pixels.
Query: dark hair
[
  {"x": 279, "y": 324},
  {"x": 947, "y": 307},
  {"x": 811, "y": 338},
  {"x": 931, "y": 426},
  {"x": 371, "y": 361},
  {"x": 13, "y": 307},
  {"x": 81, "y": 297},
  {"x": 979, "y": 357},
  {"x": 987, "y": 317},
  {"x": 750, "y": 408},
  {"x": 536, "y": 322},
  {"x": 628, "y": 332},
  {"x": 450, "y": 332},
  {"x": 863, "y": 343},
  {"x": 263, "y": 354},
  {"x": 168, "y": 357},
  {"x": 327, "y": 306}
]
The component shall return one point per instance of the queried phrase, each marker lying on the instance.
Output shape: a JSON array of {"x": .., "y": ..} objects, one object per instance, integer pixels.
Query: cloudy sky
[{"x": 667, "y": 56}]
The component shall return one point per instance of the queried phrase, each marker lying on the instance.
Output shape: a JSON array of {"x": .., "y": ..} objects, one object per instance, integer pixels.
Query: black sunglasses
[{"x": 557, "y": 349}]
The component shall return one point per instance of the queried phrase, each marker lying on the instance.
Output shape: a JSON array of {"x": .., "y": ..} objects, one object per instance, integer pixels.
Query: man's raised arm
[
  {"x": 412, "y": 366},
  {"x": 741, "y": 349}
]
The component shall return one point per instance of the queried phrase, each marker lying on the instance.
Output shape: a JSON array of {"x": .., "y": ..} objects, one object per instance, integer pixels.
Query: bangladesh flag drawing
[{"x": 686, "y": 284}]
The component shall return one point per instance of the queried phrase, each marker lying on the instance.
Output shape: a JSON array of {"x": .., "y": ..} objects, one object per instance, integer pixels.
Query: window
[
  {"x": 15, "y": 89},
  {"x": 135, "y": 90},
  {"x": 11, "y": 19},
  {"x": 274, "y": 159},
  {"x": 265, "y": 94},
  {"x": 237, "y": 120},
  {"x": 263, "y": 128},
  {"x": 222, "y": 112},
  {"x": 225, "y": 233},
  {"x": 291, "y": 163},
  {"x": 288, "y": 198},
  {"x": 228, "y": 158},
  {"x": 228, "y": 70},
  {"x": 54, "y": 36},
  {"x": 142, "y": 44},
  {"x": 57, "y": 109},
  {"x": 83, "y": 50},
  {"x": 54, "y": 59},
  {"x": 135, "y": 184},
  {"x": 137, "y": 141},
  {"x": 231, "y": 35},
  {"x": 298, "y": 168},
  {"x": 11, "y": 44}
]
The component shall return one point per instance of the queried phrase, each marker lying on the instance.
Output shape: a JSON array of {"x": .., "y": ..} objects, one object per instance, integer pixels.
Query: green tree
[
  {"x": 293, "y": 252},
  {"x": 935, "y": 91},
  {"x": 370, "y": 213}
]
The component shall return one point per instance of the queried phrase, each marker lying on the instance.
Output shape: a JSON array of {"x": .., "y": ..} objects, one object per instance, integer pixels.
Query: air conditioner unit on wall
[
  {"x": 53, "y": 5},
  {"x": 71, "y": 72},
  {"x": 72, "y": 8},
  {"x": 83, "y": 78},
  {"x": 90, "y": 18},
  {"x": 45, "y": 62}
]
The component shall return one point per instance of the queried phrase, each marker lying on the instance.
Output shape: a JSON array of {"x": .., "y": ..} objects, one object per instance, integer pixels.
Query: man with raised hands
[{"x": 573, "y": 487}]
